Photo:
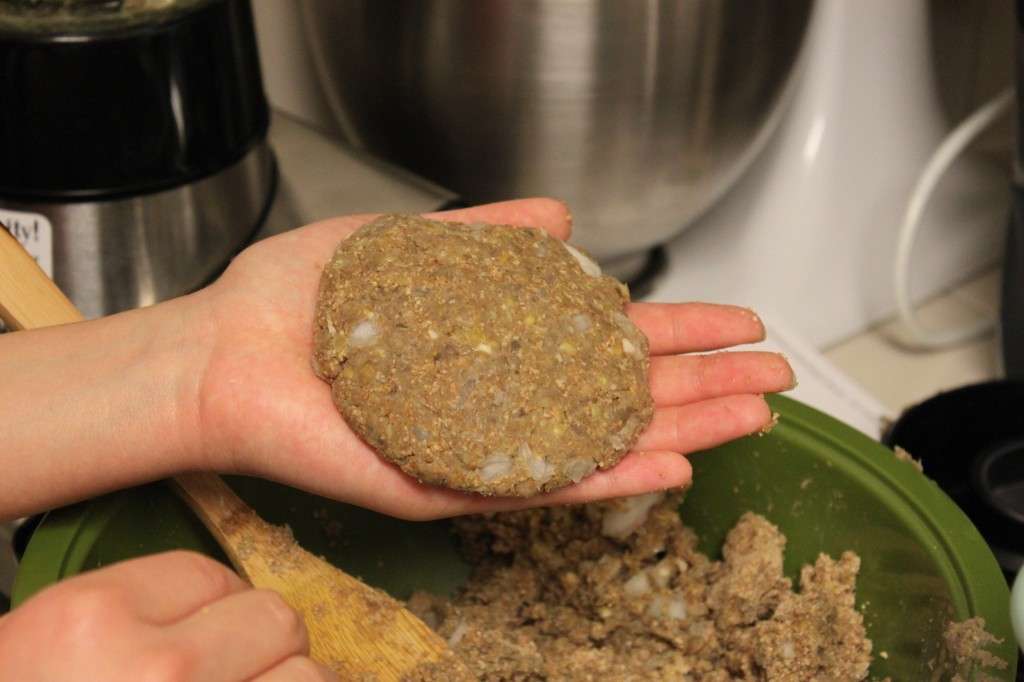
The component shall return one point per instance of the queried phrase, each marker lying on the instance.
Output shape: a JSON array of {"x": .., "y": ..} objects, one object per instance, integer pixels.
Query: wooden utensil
[{"x": 356, "y": 630}]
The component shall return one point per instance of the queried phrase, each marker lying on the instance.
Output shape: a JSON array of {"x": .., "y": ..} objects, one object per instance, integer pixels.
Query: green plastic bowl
[
  {"x": 1017, "y": 607},
  {"x": 828, "y": 487}
]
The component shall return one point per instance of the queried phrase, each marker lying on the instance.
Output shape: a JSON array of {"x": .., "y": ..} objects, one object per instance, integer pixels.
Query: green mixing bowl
[{"x": 828, "y": 487}]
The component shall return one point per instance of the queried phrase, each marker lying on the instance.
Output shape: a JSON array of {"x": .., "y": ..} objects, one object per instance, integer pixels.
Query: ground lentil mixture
[
  {"x": 480, "y": 357},
  {"x": 618, "y": 591},
  {"x": 964, "y": 650}
]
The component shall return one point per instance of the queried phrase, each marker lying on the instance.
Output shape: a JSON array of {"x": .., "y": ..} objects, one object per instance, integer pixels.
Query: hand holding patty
[
  {"x": 486, "y": 358},
  {"x": 262, "y": 410}
]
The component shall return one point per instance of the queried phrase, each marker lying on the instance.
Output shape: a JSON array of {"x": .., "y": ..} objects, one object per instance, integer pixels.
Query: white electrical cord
[{"x": 920, "y": 337}]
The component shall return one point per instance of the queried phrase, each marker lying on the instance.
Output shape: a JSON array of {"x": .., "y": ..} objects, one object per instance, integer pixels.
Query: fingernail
[
  {"x": 757, "y": 320},
  {"x": 792, "y": 373},
  {"x": 767, "y": 428}
]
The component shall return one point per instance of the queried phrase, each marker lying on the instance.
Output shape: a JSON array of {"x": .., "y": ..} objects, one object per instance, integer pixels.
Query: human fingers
[
  {"x": 637, "y": 473},
  {"x": 690, "y": 327},
  {"x": 550, "y": 215},
  {"x": 681, "y": 379},
  {"x": 297, "y": 669},
  {"x": 238, "y": 637},
  {"x": 705, "y": 424},
  {"x": 162, "y": 588}
]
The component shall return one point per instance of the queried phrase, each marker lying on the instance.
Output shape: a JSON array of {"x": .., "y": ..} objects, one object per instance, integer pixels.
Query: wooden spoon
[{"x": 356, "y": 630}]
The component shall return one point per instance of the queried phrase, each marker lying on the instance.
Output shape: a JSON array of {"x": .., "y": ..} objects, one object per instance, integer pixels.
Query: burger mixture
[
  {"x": 618, "y": 591},
  {"x": 487, "y": 358}
]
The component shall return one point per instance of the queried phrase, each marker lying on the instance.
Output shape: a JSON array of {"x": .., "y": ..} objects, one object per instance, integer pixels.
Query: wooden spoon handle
[
  {"x": 251, "y": 544},
  {"x": 228, "y": 518},
  {"x": 28, "y": 298}
]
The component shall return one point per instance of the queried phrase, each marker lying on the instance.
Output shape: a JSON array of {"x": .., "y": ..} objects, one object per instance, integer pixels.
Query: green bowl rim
[
  {"x": 969, "y": 555},
  {"x": 64, "y": 537},
  {"x": 980, "y": 578}
]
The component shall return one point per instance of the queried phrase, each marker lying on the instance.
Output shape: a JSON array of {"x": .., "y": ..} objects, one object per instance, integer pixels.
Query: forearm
[{"x": 98, "y": 405}]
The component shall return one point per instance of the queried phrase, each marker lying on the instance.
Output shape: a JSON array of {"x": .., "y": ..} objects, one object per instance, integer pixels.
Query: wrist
[
  {"x": 100, "y": 405},
  {"x": 180, "y": 339}
]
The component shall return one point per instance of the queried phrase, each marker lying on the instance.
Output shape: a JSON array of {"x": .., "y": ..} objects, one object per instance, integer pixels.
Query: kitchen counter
[{"x": 898, "y": 377}]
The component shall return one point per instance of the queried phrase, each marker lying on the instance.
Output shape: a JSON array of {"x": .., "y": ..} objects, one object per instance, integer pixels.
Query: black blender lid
[
  {"x": 113, "y": 98},
  {"x": 970, "y": 441},
  {"x": 84, "y": 17}
]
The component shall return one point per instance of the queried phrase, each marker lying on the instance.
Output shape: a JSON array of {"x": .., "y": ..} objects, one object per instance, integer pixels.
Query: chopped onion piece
[
  {"x": 623, "y": 323},
  {"x": 363, "y": 334},
  {"x": 637, "y": 586},
  {"x": 458, "y": 634},
  {"x": 625, "y": 515},
  {"x": 580, "y": 468},
  {"x": 496, "y": 466},
  {"x": 663, "y": 607},
  {"x": 676, "y": 609},
  {"x": 540, "y": 469},
  {"x": 586, "y": 263},
  {"x": 580, "y": 322},
  {"x": 662, "y": 573}
]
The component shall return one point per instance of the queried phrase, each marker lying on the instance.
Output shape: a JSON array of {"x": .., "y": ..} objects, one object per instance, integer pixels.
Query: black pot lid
[{"x": 970, "y": 441}]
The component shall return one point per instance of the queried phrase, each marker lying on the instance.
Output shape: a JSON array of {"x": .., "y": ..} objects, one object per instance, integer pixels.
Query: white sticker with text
[{"x": 35, "y": 233}]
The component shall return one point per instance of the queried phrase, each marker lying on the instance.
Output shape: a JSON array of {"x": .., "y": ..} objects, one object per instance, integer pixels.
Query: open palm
[{"x": 263, "y": 411}]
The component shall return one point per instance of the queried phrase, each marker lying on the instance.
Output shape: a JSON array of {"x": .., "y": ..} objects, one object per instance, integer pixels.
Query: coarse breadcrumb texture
[
  {"x": 552, "y": 598},
  {"x": 487, "y": 358},
  {"x": 964, "y": 650},
  {"x": 904, "y": 456}
]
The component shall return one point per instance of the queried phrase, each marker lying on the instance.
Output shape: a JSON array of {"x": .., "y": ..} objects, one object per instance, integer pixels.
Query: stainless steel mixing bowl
[{"x": 640, "y": 114}]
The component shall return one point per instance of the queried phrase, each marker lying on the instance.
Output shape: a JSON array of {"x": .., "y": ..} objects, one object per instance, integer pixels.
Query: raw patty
[{"x": 480, "y": 357}]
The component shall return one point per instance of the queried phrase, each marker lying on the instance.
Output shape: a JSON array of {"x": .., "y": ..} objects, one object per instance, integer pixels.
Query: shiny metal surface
[
  {"x": 114, "y": 255},
  {"x": 640, "y": 114}
]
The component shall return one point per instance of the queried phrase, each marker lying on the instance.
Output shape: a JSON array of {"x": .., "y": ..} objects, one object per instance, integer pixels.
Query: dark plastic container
[{"x": 100, "y": 106}]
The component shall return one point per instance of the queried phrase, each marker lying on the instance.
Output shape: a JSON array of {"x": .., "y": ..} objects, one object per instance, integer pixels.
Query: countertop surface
[{"x": 899, "y": 377}]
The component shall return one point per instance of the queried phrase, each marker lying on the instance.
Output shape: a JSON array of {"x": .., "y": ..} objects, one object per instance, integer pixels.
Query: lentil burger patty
[{"x": 487, "y": 358}]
